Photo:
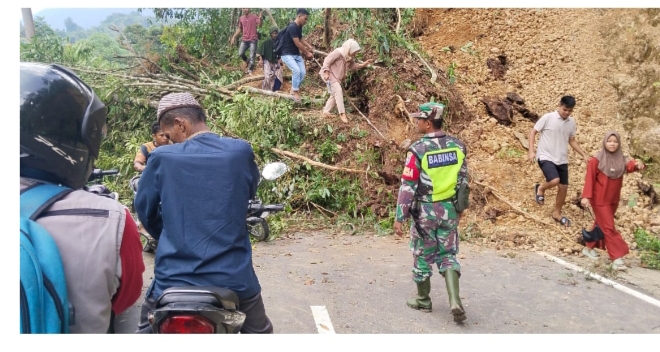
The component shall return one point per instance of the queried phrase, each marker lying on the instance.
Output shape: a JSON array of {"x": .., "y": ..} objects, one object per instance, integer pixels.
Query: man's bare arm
[
  {"x": 302, "y": 48},
  {"x": 532, "y": 139},
  {"x": 576, "y": 146}
]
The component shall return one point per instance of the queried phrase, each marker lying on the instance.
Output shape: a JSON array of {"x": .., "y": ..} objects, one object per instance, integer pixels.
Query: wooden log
[
  {"x": 315, "y": 163},
  {"x": 278, "y": 95}
]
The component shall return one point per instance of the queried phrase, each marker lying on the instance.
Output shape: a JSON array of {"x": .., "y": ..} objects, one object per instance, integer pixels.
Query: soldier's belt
[{"x": 450, "y": 199}]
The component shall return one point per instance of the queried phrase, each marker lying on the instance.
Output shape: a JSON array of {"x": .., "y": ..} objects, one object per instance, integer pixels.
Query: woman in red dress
[{"x": 602, "y": 191}]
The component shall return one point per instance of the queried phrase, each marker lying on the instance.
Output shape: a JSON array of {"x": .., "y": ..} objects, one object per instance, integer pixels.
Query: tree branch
[
  {"x": 127, "y": 44},
  {"x": 278, "y": 95},
  {"x": 434, "y": 76},
  {"x": 402, "y": 107},
  {"x": 398, "y": 23},
  {"x": 498, "y": 195},
  {"x": 315, "y": 163},
  {"x": 369, "y": 122},
  {"x": 138, "y": 57}
]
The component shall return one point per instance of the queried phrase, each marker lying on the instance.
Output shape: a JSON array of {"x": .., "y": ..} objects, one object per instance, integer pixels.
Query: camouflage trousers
[{"x": 434, "y": 239}]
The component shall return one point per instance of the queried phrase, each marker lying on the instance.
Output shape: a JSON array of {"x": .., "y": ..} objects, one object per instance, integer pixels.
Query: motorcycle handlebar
[
  {"x": 267, "y": 207},
  {"x": 274, "y": 207},
  {"x": 98, "y": 173}
]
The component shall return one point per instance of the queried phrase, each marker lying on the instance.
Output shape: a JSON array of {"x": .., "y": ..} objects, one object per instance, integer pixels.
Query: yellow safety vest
[{"x": 442, "y": 167}]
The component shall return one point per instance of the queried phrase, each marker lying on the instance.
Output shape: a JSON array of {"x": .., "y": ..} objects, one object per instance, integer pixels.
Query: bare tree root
[{"x": 494, "y": 191}]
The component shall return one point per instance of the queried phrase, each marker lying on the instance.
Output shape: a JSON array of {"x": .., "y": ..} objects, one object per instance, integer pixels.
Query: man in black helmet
[{"x": 62, "y": 124}]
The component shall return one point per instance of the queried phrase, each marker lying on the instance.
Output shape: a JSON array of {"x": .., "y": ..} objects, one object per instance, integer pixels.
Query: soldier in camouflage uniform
[{"x": 434, "y": 191}]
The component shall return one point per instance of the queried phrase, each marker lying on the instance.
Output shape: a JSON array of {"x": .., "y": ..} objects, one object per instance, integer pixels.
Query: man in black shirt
[{"x": 294, "y": 45}]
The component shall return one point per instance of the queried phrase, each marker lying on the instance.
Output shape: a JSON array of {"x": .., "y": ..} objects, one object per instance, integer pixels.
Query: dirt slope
[{"x": 547, "y": 53}]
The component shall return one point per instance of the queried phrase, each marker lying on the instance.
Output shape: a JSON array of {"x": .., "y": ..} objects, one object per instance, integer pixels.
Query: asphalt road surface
[{"x": 320, "y": 283}]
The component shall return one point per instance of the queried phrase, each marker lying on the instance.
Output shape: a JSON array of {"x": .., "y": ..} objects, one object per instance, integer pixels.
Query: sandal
[
  {"x": 564, "y": 221},
  {"x": 540, "y": 200}
]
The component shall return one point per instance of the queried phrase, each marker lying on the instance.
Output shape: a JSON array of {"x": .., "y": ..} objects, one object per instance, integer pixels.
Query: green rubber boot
[
  {"x": 422, "y": 301},
  {"x": 451, "y": 279}
]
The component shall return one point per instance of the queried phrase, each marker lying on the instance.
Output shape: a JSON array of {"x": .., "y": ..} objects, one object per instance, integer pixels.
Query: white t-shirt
[{"x": 554, "y": 135}]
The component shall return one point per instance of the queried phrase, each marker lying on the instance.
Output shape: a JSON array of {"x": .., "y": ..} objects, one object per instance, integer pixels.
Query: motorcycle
[
  {"x": 257, "y": 211},
  {"x": 95, "y": 185},
  {"x": 209, "y": 310}
]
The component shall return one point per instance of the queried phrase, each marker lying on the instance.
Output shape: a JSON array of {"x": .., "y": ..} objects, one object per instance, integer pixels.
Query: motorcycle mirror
[{"x": 274, "y": 170}]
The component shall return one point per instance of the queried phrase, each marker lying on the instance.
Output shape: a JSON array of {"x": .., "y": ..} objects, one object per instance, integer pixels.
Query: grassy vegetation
[{"x": 649, "y": 245}]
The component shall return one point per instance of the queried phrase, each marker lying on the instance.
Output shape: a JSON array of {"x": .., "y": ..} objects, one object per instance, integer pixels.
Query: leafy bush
[{"x": 650, "y": 247}]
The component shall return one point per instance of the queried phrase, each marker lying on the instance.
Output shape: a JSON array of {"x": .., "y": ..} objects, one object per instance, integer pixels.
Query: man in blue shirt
[{"x": 193, "y": 199}]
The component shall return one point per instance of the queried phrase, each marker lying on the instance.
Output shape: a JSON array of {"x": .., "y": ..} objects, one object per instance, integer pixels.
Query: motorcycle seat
[{"x": 216, "y": 296}]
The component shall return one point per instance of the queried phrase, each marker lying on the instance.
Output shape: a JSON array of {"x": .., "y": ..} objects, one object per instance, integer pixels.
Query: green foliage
[
  {"x": 328, "y": 149},
  {"x": 467, "y": 48},
  {"x": 512, "y": 153},
  {"x": 103, "y": 48},
  {"x": 650, "y": 247},
  {"x": 451, "y": 72},
  {"x": 264, "y": 122},
  {"x": 45, "y": 46}
]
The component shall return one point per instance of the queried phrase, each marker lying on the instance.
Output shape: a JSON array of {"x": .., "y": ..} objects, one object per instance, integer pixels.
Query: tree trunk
[
  {"x": 272, "y": 20},
  {"x": 326, "y": 32},
  {"x": 28, "y": 23},
  {"x": 233, "y": 21}
]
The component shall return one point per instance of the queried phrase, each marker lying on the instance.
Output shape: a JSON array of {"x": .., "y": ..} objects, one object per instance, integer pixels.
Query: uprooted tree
[{"x": 349, "y": 170}]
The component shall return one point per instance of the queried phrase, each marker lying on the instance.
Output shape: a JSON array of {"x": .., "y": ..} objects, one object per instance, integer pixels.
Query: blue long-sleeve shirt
[{"x": 193, "y": 198}]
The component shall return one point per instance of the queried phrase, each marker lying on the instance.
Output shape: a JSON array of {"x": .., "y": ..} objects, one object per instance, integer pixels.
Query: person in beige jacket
[{"x": 334, "y": 71}]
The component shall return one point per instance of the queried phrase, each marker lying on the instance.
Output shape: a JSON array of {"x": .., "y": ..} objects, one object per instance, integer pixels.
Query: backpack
[
  {"x": 44, "y": 303},
  {"x": 278, "y": 44}
]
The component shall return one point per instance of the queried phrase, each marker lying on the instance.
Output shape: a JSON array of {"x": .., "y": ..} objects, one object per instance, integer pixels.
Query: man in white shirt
[{"x": 557, "y": 131}]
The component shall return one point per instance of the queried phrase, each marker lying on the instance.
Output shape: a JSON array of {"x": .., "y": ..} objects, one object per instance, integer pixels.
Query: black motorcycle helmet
[{"x": 62, "y": 124}]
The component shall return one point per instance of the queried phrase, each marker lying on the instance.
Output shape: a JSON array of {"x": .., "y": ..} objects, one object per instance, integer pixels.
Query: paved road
[{"x": 364, "y": 282}]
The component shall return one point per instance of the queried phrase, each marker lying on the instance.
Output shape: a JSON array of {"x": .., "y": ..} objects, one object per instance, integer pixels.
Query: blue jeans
[
  {"x": 297, "y": 65},
  {"x": 253, "y": 53}
]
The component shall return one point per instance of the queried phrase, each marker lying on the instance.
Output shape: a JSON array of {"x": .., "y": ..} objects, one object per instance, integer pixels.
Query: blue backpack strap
[
  {"x": 39, "y": 252},
  {"x": 39, "y": 197}
]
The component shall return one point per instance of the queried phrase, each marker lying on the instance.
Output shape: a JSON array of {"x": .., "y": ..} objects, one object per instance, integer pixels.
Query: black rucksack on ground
[{"x": 278, "y": 44}]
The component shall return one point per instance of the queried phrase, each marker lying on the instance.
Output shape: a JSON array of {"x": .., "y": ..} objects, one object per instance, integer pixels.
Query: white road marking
[
  {"x": 322, "y": 320},
  {"x": 606, "y": 281}
]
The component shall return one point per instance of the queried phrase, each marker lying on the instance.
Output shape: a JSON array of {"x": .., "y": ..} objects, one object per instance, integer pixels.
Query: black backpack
[{"x": 278, "y": 44}]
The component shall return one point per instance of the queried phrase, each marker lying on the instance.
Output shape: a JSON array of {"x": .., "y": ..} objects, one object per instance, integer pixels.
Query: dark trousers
[{"x": 256, "y": 321}]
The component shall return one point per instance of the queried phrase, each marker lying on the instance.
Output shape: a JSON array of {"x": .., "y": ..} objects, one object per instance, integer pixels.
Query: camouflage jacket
[{"x": 415, "y": 183}]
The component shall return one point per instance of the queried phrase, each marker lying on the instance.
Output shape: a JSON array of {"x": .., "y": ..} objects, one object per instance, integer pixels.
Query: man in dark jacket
[{"x": 193, "y": 199}]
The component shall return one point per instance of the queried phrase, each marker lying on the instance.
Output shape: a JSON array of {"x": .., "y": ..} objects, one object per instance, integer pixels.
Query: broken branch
[
  {"x": 322, "y": 208},
  {"x": 402, "y": 107},
  {"x": 127, "y": 45},
  {"x": 434, "y": 76},
  {"x": 278, "y": 95},
  {"x": 494, "y": 191},
  {"x": 369, "y": 122},
  {"x": 315, "y": 163}
]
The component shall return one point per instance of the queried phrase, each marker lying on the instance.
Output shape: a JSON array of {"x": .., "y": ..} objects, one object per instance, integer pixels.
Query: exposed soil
[
  {"x": 517, "y": 63},
  {"x": 547, "y": 53}
]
